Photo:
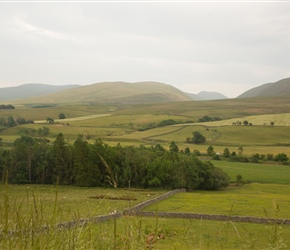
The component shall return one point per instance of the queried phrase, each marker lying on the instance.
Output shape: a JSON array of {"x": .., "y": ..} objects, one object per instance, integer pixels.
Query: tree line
[
  {"x": 10, "y": 121},
  {"x": 38, "y": 161},
  {"x": 9, "y": 106}
]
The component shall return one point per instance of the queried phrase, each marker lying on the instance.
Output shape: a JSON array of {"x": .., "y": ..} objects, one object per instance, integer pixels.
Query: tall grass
[{"x": 25, "y": 230}]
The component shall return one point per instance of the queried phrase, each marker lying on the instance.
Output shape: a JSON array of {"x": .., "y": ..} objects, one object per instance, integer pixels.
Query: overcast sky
[{"x": 197, "y": 46}]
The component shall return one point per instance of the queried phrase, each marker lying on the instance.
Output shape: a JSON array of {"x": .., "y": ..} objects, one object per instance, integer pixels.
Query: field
[
  {"x": 248, "y": 200},
  {"x": 265, "y": 192},
  {"x": 68, "y": 202},
  {"x": 254, "y": 172}
]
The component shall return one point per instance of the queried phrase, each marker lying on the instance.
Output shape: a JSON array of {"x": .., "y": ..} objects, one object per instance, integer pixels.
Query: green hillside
[{"x": 115, "y": 92}]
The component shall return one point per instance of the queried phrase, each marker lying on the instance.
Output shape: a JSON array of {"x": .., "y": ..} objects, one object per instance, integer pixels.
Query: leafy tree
[
  {"x": 196, "y": 152},
  {"x": 85, "y": 172},
  {"x": 49, "y": 120},
  {"x": 23, "y": 150},
  {"x": 226, "y": 153},
  {"x": 63, "y": 157},
  {"x": 61, "y": 116},
  {"x": 3, "y": 122},
  {"x": 246, "y": 122},
  {"x": 173, "y": 148},
  {"x": 272, "y": 123},
  {"x": 187, "y": 151},
  {"x": 239, "y": 179},
  {"x": 281, "y": 157},
  {"x": 11, "y": 122},
  {"x": 166, "y": 123},
  {"x": 44, "y": 131},
  {"x": 210, "y": 150},
  {"x": 158, "y": 147},
  {"x": 212, "y": 178},
  {"x": 207, "y": 118},
  {"x": 198, "y": 138}
]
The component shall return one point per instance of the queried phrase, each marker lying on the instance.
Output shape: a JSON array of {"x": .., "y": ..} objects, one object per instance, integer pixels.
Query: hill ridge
[{"x": 274, "y": 89}]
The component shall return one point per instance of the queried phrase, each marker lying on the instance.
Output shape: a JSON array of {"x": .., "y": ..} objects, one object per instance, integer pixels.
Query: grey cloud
[{"x": 193, "y": 46}]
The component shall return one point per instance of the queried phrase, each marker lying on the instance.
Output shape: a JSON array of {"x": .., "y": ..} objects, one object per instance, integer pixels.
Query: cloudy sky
[{"x": 228, "y": 47}]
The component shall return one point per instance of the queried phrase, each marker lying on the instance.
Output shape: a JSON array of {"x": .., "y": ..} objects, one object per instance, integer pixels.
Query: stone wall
[
  {"x": 139, "y": 207},
  {"x": 246, "y": 219}
]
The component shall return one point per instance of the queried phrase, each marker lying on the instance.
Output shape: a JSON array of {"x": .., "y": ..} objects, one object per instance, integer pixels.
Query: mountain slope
[
  {"x": 115, "y": 92},
  {"x": 30, "y": 89},
  {"x": 206, "y": 95},
  {"x": 279, "y": 88}
]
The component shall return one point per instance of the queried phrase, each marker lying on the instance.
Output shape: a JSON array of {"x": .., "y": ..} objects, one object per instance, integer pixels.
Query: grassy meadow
[
  {"x": 68, "y": 202},
  {"x": 248, "y": 200},
  {"x": 256, "y": 172},
  {"x": 130, "y": 232}
]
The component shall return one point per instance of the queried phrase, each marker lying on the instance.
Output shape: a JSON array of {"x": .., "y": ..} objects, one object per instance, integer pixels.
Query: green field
[
  {"x": 71, "y": 202},
  {"x": 248, "y": 200},
  {"x": 251, "y": 172}
]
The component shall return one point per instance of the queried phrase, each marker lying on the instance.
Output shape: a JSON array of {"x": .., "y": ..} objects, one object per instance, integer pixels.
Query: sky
[{"x": 226, "y": 47}]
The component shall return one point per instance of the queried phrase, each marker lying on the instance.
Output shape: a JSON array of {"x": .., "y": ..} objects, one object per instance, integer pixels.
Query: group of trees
[
  {"x": 163, "y": 123},
  {"x": 11, "y": 122},
  {"x": 44, "y": 131},
  {"x": 197, "y": 138},
  {"x": 255, "y": 158},
  {"x": 84, "y": 164},
  {"x": 207, "y": 118},
  {"x": 246, "y": 123},
  {"x": 9, "y": 106}
]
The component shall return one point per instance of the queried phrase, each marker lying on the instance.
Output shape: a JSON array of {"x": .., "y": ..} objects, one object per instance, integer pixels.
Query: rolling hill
[
  {"x": 116, "y": 93},
  {"x": 206, "y": 95},
  {"x": 275, "y": 89},
  {"x": 29, "y": 90}
]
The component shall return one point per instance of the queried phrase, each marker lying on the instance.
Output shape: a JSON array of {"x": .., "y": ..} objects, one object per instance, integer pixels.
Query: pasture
[
  {"x": 67, "y": 203},
  {"x": 255, "y": 172},
  {"x": 248, "y": 200}
]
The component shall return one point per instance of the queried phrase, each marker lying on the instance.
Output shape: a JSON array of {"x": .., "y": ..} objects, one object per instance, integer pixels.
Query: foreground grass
[
  {"x": 156, "y": 233},
  {"x": 64, "y": 203},
  {"x": 28, "y": 208}
]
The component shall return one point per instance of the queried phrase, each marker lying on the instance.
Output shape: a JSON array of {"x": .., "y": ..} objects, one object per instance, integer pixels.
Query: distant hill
[
  {"x": 275, "y": 89},
  {"x": 115, "y": 92},
  {"x": 29, "y": 90},
  {"x": 205, "y": 95}
]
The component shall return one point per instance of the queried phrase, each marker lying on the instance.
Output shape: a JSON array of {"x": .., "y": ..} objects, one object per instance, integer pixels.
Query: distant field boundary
[{"x": 80, "y": 118}]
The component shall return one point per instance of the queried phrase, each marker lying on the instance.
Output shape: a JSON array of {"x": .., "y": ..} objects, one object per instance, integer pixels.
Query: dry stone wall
[
  {"x": 139, "y": 207},
  {"x": 246, "y": 219}
]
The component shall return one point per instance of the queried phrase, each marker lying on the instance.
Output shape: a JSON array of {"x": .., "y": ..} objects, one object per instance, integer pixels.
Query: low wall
[
  {"x": 95, "y": 219},
  {"x": 246, "y": 219},
  {"x": 139, "y": 207},
  {"x": 65, "y": 225}
]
